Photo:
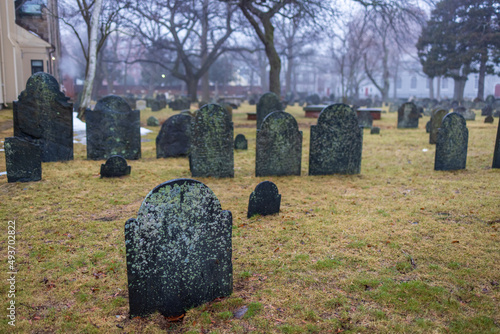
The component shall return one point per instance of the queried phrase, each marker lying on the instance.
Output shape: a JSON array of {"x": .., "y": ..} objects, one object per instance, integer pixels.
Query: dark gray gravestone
[
  {"x": 113, "y": 129},
  {"x": 487, "y": 110},
  {"x": 115, "y": 166},
  {"x": 436, "y": 119},
  {"x": 336, "y": 142},
  {"x": 43, "y": 115},
  {"x": 489, "y": 119},
  {"x": 178, "y": 250},
  {"x": 428, "y": 127},
  {"x": 469, "y": 115},
  {"x": 212, "y": 143},
  {"x": 173, "y": 140},
  {"x": 268, "y": 103},
  {"x": 153, "y": 121},
  {"x": 279, "y": 146},
  {"x": 375, "y": 130},
  {"x": 496, "y": 153},
  {"x": 451, "y": 145},
  {"x": 365, "y": 119},
  {"x": 23, "y": 160},
  {"x": 264, "y": 200},
  {"x": 240, "y": 142},
  {"x": 408, "y": 116}
]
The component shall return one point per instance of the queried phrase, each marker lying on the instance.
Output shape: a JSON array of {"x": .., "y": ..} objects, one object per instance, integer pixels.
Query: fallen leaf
[{"x": 455, "y": 242}]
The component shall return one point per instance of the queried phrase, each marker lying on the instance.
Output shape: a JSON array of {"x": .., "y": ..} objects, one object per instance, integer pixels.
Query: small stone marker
[
  {"x": 23, "y": 160},
  {"x": 264, "y": 200},
  {"x": 43, "y": 116},
  {"x": 489, "y": 119},
  {"x": 153, "y": 121},
  {"x": 365, "y": 119},
  {"x": 375, "y": 130},
  {"x": 240, "y": 142},
  {"x": 451, "y": 145},
  {"x": 212, "y": 143},
  {"x": 279, "y": 146},
  {"x": 436, "y": 119},
  {"x": 487, "y": 110},
  {"x": 496, "y": 153},
  {"x": 268, "y": 103},
  {"x": 408, "y": 116},
  {"x": 173, "y": 140},
  {"x": 113, "y": 129},
  {"x": 336, "y": 142},
  {"x": 140, "y": 104},
  {"x": 115, "y": 166},
  {"x": 178, "y": 250}
]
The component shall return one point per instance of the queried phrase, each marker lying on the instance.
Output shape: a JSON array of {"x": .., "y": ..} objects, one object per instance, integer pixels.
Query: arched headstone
[
  {"x": 408, "y": 116},
  {"x": 212, "y": 150},
  {"x": 436, "y": 119},
  {"x": 173, "y": 140},
  {"x": 113, "y": 129},
  {"x": 268, "y": 103},
  {"x": 240, "y": 142},
  {"x": 336, "y": 142},
  {"x": 178, "y": 250},
  {"x": 115, "y": 166},
  {"x": 365, "y": 119},
  {"x": 264, "y": 200},
  {"x": 42, "y": 115},
  {"x": 452, "y": 142},
  {"x": 279, "y": 146}
]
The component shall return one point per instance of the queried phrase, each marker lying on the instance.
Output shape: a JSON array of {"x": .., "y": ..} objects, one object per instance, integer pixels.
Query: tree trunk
[
  {"x": 89, "y": 79},
  {"x": 275, "y": 69},
  {"x": 205, "y": 84},
  {"x": 482, "y": 75},
  {"x": 458, "y": 91},
  {"x": 431, "y": 88},
  {"x": 192, "y": 89},
  {"x": 438, "y": 93}
]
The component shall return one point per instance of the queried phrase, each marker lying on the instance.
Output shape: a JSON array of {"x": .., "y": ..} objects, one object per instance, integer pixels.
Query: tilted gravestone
[
  {"x": 365, "y": 119},
  {"x": 113, "y": 129},
  {"x": 173, "y": 140},
  {"x": 115, "y": 166},
  {"x": 452, "y": 142},
  {"x": 43, "y": 116},
  {"x": 279, "y": 146},
  {"x": 240, "y": 142},
  {"x": 336, "y": 142},
  {"x": 268, "y": 103},
  {"x": 264, "y": 200},
  {"x": 23, "y": 160},
  {"x": 178, "y": 250},
  {"x": 436, "y": 119},
  {"x": 212, "y": 143},
  {"x": 496, "y": 153},
  {"x": 408, "y": 116}
]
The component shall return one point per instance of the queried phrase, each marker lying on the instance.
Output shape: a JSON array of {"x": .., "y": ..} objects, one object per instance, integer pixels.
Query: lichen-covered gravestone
[
  {"x": 436, "y": 119},
  {"x": 115, "y": 166},
  {"x": 496, "y": 153},
  {"x": 23, "y": 160},
  {"x": 268, "y": 103},
  {"x": 240, "y": 142},
  {"x": 43, "y": 116},
  {"x": 264, "y": 200},
  {"x": 279, "y": 146},
  {"x": 451, "y": 144},
  {"x": 212, "y": 143},
  {"x": 152, "y": 121},
  {"x": 173, "y": 140},
  {"x": 178, "y": 250},
  {"x": 375, "y": 130},
  {"x": 113, "y": 129},
  {"x": 365, "y": 119},
  {"x": 408, "y": 116},
  {"x": 336, "y": 142}
]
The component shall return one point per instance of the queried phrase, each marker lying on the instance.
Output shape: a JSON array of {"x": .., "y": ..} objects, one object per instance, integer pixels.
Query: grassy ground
[{"x": 399, "y": 248}]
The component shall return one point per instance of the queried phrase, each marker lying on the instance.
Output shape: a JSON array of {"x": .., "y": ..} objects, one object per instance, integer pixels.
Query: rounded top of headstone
[
  {"x": 282, "y": 118},
  {"x": 42, "y": 79},
  {"x": 240, "y": 136},
  {"x": 453, "y": 119},
  {"x": 267, "y": 187},
  {"x": 212, "y": 111},
  {"x": 117, "y": 161},
  {"x": 411, "y": 105},
  {"x": 113, "y": 103},
  {"x": 270, "y": 101},
  {"x": 337, "y": 112}
]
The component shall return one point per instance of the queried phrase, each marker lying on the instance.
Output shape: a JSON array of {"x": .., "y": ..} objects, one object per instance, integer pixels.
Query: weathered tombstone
[
  {"x": 489, "y": 119},
  {"x": 279, "y": 146},
  {"x": 375, "y": 130},
  {"x": 212, "y": 143},
  {"x": 268, "y": 103},
  {"x": 23, "y": 160},
  {"x": 468, "y": 115},
  {"x": 428, "y": 127},
  {"x": 264, "y": 200},
  {"x": 115, "y": 166},
  {"x": 451, "y": 145},
  {"x": 153, "y": 121},
  {"x": 436, "y": 119},
  {"x": 173, "y": 140},
  {"x": 336, "y": 142},
  {"x": 178, "y": 250},
  {"x": 487, "y": 110},
  {"x": 43, "y": 116},
  {"x": 113, "y": 129},
  {"x": 490, "y": 99},
  {"x": 365, "y": 119},
  {"x": 240, "y": 142},
  {"x": 408, "y": 116},
  {"x": 140, "y": 104},
  {"x": 496, "y": 153}
]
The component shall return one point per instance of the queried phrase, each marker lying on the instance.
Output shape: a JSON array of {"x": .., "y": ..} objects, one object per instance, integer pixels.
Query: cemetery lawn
[{"x": 400, "y": 248}]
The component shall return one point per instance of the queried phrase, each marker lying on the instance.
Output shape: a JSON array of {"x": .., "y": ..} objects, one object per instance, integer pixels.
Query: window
[
  {"x": 413, "y": 82},
  {"x": 399, "y": 83},
  {"x": 444, "y": 83},
  {"x": 36, "y": 66},
  {"x": 31, "y": 7}
]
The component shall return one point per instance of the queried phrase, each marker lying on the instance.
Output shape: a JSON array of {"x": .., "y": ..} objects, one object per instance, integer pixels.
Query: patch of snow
[
  {"x": 3, "y": 173},
  {"x": 424, "y": 150}
]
